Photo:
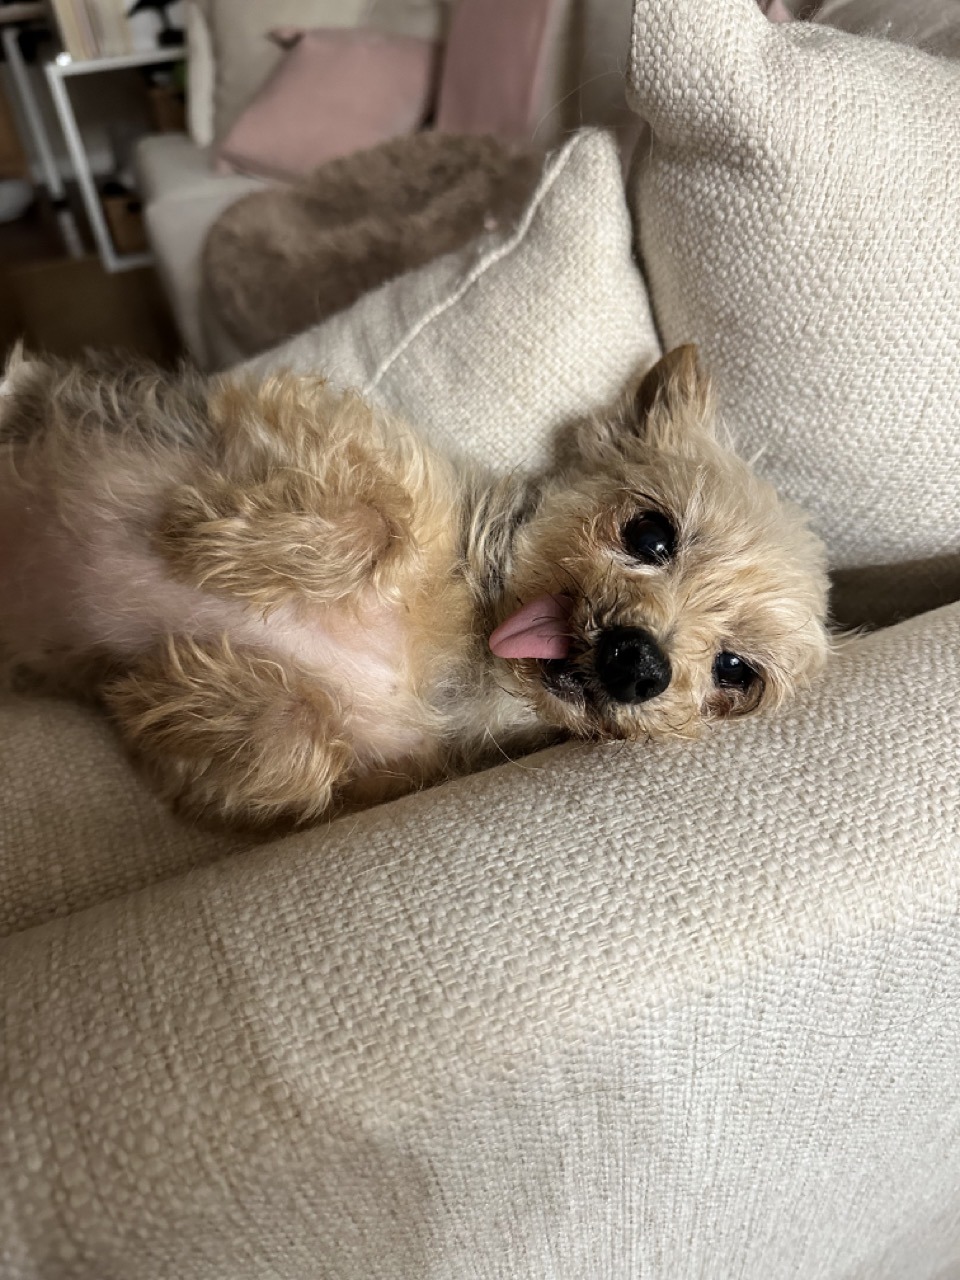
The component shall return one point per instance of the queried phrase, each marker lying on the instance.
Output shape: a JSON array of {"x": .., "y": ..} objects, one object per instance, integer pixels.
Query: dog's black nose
[{"x": 630, "y": 664}]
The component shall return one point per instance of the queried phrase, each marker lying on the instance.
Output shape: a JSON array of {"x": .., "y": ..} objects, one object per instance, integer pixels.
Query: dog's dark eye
[
  {"x": 650, "y": 538},
  {"x": 731, "y": 672}
]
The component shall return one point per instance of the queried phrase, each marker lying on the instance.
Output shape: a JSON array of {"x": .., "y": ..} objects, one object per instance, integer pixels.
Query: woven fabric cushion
[
  {"x": 334, "y": 93},
  {"x": 798, "y": 214},
  {"x": 77, "y": 823},
  {"x": 489, "y": 349},
  {"x": 622, "y": 1011}
]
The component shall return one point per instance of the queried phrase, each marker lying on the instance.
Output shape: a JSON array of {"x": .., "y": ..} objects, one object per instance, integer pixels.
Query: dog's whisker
[{"x": 511, "y": 759}]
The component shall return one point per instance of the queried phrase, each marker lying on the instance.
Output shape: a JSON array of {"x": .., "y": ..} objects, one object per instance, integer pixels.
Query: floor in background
[
  {"x": 62, "y": 305},
  {"x": 68, "y": 306}
]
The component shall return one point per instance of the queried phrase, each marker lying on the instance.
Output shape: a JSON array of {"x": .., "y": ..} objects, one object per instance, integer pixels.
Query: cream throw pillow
[
  {"x": 488, "y": 350},
  {"x": 798, "y": 212}
]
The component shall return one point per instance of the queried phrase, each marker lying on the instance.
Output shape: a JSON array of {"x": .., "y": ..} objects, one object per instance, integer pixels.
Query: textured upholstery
[
  {"x": 490, "y": 349},
  {"x": 77, "y": 825},
  {"x": 615, "y": 1012}
]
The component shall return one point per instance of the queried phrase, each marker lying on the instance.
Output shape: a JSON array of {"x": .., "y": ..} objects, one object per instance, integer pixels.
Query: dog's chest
[{"x": 393, "y": 679}]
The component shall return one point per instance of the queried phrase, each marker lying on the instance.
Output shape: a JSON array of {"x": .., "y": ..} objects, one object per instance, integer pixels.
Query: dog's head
[{"x": 660, "y": 584}]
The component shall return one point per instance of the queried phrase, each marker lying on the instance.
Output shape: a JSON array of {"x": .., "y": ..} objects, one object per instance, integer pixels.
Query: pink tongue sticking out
[{"x": 538, "y": 630}]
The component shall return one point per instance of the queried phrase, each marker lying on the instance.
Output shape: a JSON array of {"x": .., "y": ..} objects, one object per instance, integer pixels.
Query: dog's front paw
[{"x": 285, "y": 538}]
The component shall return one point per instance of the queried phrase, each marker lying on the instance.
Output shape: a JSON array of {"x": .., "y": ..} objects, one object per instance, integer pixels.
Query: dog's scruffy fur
[{"x": 285, "y": 599}]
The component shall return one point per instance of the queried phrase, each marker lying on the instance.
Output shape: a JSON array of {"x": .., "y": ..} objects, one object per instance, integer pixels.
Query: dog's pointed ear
[
  {"x": 670, "y": 408},
  {"x": 673, "y": 398},
  {"x": 12, "y": 366},
  {"x": 22, "y": 395},
  {"x": 16, "y": 367},
  {"x": 15, "y": 358}
]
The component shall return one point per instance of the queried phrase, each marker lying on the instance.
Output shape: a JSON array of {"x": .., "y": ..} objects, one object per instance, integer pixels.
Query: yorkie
[{"x": 290, "y": 605}]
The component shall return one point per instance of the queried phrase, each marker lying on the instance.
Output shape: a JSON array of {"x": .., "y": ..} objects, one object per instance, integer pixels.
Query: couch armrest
[
  {"x": 609, "y": 1011},
  {"x": 182, "y": 199}
]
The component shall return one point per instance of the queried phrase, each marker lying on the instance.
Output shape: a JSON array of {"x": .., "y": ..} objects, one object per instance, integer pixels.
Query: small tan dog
[{"x": 290, "y": 605}]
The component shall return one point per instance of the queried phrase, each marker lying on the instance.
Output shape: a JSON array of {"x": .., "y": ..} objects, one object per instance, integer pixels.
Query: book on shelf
[
  {"x": 68, "y": 21},
  {"x": 110, "y": 28}
]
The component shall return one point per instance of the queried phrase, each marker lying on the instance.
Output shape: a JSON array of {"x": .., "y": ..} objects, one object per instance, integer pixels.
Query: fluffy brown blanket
[{"x": 280, "y": 260}]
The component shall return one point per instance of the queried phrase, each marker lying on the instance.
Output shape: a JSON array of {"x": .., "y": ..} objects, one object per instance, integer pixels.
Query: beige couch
[{"x": 673, "y": 1013}]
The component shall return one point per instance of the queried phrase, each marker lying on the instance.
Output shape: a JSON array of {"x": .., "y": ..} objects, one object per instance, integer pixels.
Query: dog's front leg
[
  {"x": 232, "y": 733},
  {"x": 291, "y": 534}
]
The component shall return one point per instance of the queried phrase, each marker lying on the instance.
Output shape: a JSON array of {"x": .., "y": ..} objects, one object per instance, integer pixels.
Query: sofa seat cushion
[{"x": 170, "y": 166}]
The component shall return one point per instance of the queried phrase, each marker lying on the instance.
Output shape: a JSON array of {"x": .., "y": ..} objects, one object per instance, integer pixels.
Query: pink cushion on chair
[
  {"x": 494, "y": 67},
  {"x": 335, "y": 92}
]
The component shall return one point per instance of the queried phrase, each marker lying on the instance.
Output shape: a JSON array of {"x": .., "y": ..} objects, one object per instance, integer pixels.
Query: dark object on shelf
[
  {"x": 124, "y": 214},
  {"x": 169, "y": 36},
  {"x": 13, "y": 161},
  {"x": 167, "y": 109}
]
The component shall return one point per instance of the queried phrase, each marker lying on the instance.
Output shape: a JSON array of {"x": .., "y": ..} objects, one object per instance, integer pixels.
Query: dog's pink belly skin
[
  {"x": 93, "y": 588},
  {"x": 102, "y": 588}
]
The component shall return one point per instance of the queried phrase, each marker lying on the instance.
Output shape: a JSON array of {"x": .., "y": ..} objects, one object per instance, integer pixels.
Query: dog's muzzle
[{"x": 630, "y": 665}]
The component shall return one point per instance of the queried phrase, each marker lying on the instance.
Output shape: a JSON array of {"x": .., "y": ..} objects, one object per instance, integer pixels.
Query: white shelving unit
[
  {"x": 59, "y": 72},
  {"x": 13, "y": 17}
]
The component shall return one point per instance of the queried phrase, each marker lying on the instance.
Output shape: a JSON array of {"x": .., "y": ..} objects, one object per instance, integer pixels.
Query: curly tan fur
[
  {"x": 234, "y": 731},
  {"x": 284, "y": 598}
]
